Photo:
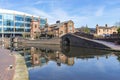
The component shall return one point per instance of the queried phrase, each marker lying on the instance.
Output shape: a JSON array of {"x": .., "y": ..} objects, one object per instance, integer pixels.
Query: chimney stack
[
  {"x": 106, "y": 25},
  {"x": 58, "y": 21}
]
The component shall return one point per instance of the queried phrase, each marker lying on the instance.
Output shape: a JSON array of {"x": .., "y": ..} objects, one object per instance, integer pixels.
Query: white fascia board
[{"x": 5, "y": 11}]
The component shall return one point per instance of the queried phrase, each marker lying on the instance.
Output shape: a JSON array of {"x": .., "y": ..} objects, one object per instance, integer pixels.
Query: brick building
[
  {"x": 61, "y": 28},
  {"x": 105, "y": 30},
  {"x": 35, "y": 28},
  {"x": 34, "y": 56}
]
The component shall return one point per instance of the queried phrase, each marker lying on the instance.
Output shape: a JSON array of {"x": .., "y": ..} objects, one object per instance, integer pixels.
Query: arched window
[{"x": 35, "y": 25}]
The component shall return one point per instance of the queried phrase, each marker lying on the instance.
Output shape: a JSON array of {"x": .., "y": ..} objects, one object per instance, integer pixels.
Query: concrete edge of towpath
[{"x": 21, "y": 71}]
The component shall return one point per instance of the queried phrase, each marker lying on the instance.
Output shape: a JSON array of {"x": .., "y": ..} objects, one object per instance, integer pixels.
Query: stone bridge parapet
[{"x": 74, "y": 40}]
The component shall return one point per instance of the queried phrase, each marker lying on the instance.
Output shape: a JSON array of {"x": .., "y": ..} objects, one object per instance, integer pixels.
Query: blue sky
[{"x": 82, "y": 12}]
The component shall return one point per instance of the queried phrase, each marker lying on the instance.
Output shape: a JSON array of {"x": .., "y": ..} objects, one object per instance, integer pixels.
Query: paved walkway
[
  {"x": 111, "y": 45},
  {"x": 6, "y": 73}
]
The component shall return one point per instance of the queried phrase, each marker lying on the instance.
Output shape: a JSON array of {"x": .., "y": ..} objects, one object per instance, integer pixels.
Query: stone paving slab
[
  {"x": 18, "y": 71},
  {"x": 21, "y": 72},
  {"x": 111, "y": 45},
  {"x": 7, "y": 65}
]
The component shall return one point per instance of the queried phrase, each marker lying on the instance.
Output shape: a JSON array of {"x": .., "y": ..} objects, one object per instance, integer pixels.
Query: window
[
  {"x": 27, "y": 25},
  {"x": 19, "y": 18},
  {"x": 19, "y": 29},
  {"x": 8, "y": 29},
  {"x": 103, "y": 30},
  {"x": 0, "y": 23},
  {"x": 41, "y": 26},
  {"x": 8, "y": 23},
  {"x": 28, "y": 19},
  {"x": 35, "y": 25},
  {"x": 35, "y": 18},
  {"x": 8, "y": 17},
  {"x": 18, "y": 24},
  {"x": 61, "y": 32},
  {"x": 27, "y": 30},
  {"x": 0, "y": 16},
  {"x": 42, "y": 21},
  {"x": 8, "y": 20},
  {"x": 99, "y": 30},
  {"x": 70, "y": 28},
  {"x": 0, "y": 29}
]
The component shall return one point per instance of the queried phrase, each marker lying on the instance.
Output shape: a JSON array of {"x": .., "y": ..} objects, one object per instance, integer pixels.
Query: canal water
[{"x": 71, "y": 63}]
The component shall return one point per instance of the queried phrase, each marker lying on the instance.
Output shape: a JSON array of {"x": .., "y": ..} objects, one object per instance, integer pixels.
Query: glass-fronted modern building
[{"x": 16, "y": 23}]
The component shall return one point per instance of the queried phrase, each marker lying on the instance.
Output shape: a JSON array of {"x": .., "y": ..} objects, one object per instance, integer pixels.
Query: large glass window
[
  {"x": 35, "y": 18},
  {"x": 42, "y": 21},
  {"x": 70, "y": 28},
  {"x": 42, "y": 26},
  {"x": 27, "y": 25},
  {"x": 0, "y": 29},
  {"x": 18, "y": 24},
  {"x": 27, "y": 30},
  {"x": 8, "y": 17},
  {"x": 8, "y": 22},
  {"x": 19, "y": 18},
  {"x": 0, "y": 16},
  {"x": 0, "y": 23},
  {"x": 27, "y": 19},
  {"x": 19, "y": 29},
  {"x": 8, "y": 29}
]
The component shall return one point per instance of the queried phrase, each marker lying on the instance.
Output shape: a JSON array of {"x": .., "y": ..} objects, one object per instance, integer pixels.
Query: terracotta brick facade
[
  {"x": 35, "y": 28},
  {"x": 61, "y": 28},
  {"x": 35, "y": 56}
]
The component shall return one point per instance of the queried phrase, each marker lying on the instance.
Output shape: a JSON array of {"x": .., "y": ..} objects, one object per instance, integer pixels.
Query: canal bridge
[{"x": 79, "y": 41}]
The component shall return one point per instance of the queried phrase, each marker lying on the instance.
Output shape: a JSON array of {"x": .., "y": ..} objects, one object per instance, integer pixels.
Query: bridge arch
[
  {"x": 66, "y": 41},
  {"x": 74, "y": 40}
]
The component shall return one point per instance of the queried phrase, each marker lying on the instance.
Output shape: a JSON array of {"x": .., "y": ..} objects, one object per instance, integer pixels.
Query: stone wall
[
  {"x": 82, "y": 42},
  {"x": 53, "y": 41}
]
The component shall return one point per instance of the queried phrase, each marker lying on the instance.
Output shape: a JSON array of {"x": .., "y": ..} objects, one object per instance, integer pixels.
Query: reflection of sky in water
[
  {"x": 83, "y": 69},
  {"x": 85, "y": 64},
  {"x": 75, "y": 63}
]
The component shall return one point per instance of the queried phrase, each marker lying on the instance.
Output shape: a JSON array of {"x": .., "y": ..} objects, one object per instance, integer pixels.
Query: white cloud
[
  {"x": 81, "y": 15},
  {"x": 62, "y": 15},
  {"x": 41, "y": 2},
  {"x": 57, "y": 14},
  {"x": 99, "y": 12},
  {"x": 38, "y": 12},
  {"x": 100, "y": 66}
]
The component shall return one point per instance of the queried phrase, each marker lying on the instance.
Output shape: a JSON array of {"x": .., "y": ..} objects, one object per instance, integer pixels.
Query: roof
[
  {"x": 104, "y": 27},
  {"x": 57, "y": 25},
  {"x": 15, "y": 12}
]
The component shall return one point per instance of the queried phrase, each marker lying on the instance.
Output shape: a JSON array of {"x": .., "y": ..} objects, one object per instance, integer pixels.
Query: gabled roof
[
  {"x": 104, "y": 27},
  {"x": 57, "y": 25}
]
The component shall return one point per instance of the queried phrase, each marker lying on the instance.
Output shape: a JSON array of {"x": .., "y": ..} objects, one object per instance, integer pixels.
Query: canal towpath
[
  {"x": 12, "y": 66},
  {"x": 7, "y": 65}
]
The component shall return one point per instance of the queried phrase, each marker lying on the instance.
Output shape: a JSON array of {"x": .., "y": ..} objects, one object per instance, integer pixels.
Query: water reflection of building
[
  {"x": 41, "y": 56},
  {"x": 38, "y": 57},
  {"x": 35, "y": 56},
  {"x": 62, "y": 58}
]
